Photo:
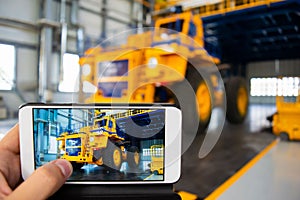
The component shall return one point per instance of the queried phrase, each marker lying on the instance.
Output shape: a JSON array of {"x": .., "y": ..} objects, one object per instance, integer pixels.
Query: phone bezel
[{"x": 173, "y": 129}]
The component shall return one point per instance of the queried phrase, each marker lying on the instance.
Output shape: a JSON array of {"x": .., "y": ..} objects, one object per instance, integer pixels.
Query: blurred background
[{"x": 49, "y": 53}]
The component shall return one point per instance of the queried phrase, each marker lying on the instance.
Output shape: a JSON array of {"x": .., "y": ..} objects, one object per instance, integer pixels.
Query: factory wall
[
  {"x": 25, "y": 39},
  {"x": 20, "y": 26},
  {"x": 269, "y": 69}
]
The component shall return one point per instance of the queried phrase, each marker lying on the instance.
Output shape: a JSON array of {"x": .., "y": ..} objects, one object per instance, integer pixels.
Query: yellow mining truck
[
  {"x": 157, "y": 159},
  {"x": 286, "y": 122},
  {"x": 153, "y": 66},
  {"x": 101, "y": 144}
]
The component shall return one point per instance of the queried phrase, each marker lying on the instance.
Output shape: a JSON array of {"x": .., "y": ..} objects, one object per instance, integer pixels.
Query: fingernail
[{"x": 64, "y": 166}]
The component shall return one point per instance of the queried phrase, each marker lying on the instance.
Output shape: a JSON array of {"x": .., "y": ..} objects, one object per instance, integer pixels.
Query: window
[
  {"x": 7, "y": 66},
  {"x": 286, "y": 86},
  {"x": 70, "y": 81},
  {"x": 110, "y": 124},
  {"x": 176, "y": 26}
]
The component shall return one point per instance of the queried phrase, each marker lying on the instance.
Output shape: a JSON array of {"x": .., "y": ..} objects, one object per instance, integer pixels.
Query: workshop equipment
[
  {"x": 157, "y": 159},
  {"x": 285, "y": 121}
]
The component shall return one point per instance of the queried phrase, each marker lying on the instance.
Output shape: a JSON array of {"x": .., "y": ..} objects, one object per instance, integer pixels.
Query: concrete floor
[
  {"x": 274, "y": 176},
  {"x": 97, "y": 173},
  {"x": 237, "y": 145}
]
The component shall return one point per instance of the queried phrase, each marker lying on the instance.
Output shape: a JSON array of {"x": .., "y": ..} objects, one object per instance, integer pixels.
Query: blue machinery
[
  {"x": 240, "y": 31},
  {"x": 263, "y": 32}
]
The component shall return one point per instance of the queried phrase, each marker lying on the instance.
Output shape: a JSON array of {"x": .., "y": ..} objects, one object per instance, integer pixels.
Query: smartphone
[{"x": 106, "y": 144}]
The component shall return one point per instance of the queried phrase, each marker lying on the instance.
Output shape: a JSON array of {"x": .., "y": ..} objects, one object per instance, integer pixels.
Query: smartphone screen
[{"x": 103, "y": 144}]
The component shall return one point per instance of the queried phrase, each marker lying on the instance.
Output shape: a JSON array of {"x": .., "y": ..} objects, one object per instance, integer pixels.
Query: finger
[
  {"x": 10, "y": 157},
  {"x": 4, "y": 187},
  {"x": 44, "y": 182},
  {"x": 11, "y": 140}
]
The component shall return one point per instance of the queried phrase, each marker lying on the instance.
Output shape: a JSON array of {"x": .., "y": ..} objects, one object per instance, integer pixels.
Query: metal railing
[
  {"x": 232, "y": 5},
  {"x": 213, "y": 7}
]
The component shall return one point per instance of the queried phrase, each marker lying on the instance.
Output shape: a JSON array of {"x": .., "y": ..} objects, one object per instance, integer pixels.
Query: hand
[{"x": 43, "y": 183}]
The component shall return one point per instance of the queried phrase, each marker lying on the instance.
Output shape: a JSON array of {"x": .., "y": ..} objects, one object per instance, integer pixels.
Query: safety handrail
[{"x": 213, "y": 7}]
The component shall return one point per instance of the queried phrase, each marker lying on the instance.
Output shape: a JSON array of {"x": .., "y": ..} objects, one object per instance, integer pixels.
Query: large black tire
[
  {"x": 204, "y": 98},
  {"x": 194, "y": 98},
  {"x": 284, "y": 136},
  {"x": 77, "y": 166},
  {"x": 112, "y": 156},
  {"x": 133, "y": 157},
  {"x": 237, "y": 100},
  {"x": 97, "y": 155}
]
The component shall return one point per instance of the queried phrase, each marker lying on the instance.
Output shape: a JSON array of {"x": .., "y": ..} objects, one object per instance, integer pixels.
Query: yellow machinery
[
  {"x": 153, "y": 67},
  {"x": 101, "y": 144},
  {"x": 157, "y": 159},
  {"x": 286, "y": 123}
]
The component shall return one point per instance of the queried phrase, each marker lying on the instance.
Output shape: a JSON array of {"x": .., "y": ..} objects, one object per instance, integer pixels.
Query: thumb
[{"x": 44, "y": 182}]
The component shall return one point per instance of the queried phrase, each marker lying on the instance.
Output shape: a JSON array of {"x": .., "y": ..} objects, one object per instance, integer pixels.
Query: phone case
[
  {"x": 113, "y": 191},
  {"x": 117, "y": 192},
  {"x": 97, "y": 104}
]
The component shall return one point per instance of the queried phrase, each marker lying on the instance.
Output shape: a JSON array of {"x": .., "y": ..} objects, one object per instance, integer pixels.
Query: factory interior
[{"x": 231, "y": 66}]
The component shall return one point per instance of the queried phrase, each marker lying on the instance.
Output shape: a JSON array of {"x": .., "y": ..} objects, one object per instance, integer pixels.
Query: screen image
[{"x": 102, "y": 144}]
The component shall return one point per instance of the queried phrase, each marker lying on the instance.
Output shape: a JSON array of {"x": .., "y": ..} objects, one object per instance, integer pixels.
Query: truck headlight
[
  {"x": 152, "y": 62},
  {"x": 86, "y": 69},
  {"x": 92, "y": 139}
]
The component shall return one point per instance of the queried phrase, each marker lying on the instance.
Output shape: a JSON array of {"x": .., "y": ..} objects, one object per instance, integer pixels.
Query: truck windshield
[
  {"x": 110, "y": 124},
  {"x": 102, "y": 123},
  {"x": 115, "y": 68},
  {"x": 175, "y": 26}
]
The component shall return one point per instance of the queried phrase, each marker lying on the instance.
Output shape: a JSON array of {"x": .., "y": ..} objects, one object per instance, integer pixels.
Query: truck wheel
[
  {"x": 97, "y": 156},
  {"x": 112, "y": 157},
  {"x": 196, "y": 103},
  {"x": 237, "y": 100},
  {"x": 76, "y": 165},
  {"x": 133, "y": 157},
  {"x": 204, "y": 105},
  {"x": 203, "y": 100},
  {"x": 284, "y": 136}
]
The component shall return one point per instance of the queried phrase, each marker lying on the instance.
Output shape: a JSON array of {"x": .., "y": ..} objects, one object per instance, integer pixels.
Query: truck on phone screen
[{"x": 108, "y": 141}]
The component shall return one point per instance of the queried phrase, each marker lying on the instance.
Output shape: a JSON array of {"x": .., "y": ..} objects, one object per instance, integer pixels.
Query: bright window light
[
  {"x": 7, "y": 66},
  {"x": 70, "y": 81},
  {"x": 286, "y": 86}
]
